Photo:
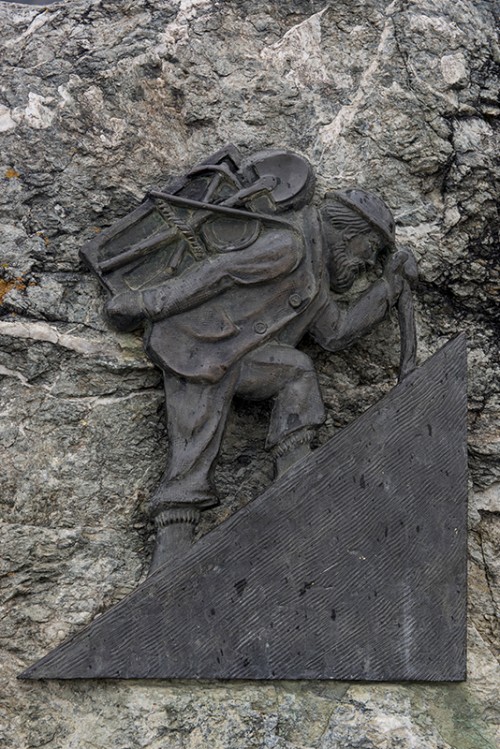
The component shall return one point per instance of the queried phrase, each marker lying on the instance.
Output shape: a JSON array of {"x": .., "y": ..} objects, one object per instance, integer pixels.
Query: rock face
[{"x": 100, "y": 100}]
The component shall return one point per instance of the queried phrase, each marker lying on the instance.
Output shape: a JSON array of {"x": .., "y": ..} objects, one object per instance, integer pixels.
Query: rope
[{"x": 195, "y": 246}]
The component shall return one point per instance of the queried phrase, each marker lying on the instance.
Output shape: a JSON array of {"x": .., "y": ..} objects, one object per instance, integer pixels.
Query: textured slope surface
[{"x": 351, "y": 567}]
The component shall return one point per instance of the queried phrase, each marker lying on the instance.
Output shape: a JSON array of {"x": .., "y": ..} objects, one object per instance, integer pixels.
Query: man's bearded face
[
  {"x": 353, "y": 253},
  {"x": 365, "y": 249}
]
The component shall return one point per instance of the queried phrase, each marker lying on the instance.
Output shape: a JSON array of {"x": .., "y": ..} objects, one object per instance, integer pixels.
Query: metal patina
[
  {"x": 226, "y": 269},
  {"x": 326, "y": 575}
]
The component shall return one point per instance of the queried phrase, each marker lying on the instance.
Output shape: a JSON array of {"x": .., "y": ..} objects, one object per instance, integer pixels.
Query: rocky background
[{"x": 101, "y": 99}]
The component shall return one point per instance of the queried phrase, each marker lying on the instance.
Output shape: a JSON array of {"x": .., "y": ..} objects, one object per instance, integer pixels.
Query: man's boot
[
  {"x": 292, "y": 448},
  {"x": 174, "y": 535}
]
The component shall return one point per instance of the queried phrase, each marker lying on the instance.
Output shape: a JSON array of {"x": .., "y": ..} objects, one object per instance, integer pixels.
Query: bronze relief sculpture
[
  {"x": 225, "y": 269},
  {"x": 248, "y": 265}
]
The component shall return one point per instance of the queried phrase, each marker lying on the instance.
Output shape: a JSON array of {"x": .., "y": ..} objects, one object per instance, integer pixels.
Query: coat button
[
  {"x": 294, "y": 300},
  {"x": 260, "y": 327}
]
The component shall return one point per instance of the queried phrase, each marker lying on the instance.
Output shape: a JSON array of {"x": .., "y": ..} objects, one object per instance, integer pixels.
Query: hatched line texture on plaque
[{"x": 352, "y": 566}]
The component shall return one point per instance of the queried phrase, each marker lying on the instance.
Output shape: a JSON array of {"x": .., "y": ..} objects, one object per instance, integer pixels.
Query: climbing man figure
[{"x": 248, "y": 267}]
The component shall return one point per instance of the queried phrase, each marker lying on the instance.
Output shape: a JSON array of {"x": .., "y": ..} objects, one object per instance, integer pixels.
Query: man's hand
[
  {"x": 125, "y": 311},
  {"x": 400, "y": 267}
]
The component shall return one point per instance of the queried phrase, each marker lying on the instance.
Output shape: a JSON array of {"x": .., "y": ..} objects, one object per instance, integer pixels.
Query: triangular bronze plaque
[{"x": 352, "y": 566}]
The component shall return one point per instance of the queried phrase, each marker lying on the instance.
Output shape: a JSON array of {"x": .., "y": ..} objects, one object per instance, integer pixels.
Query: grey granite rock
[{"x": 100, "y": 100}]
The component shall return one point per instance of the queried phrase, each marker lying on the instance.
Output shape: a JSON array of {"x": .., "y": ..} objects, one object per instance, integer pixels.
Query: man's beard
[{"x": 343, "y": 268}]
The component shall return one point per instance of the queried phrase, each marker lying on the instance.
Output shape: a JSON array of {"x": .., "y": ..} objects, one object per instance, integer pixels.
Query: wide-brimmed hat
[{"x": 370, "y": 207}]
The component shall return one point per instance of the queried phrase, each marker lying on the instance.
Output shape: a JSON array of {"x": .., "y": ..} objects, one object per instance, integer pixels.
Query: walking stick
[{"x": 408, "y": 332}]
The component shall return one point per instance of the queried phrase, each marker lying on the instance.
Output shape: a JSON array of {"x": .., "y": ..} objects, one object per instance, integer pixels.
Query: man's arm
[
  {"x": 274, "y": 254},
  {"x": 337, "y": 328}
]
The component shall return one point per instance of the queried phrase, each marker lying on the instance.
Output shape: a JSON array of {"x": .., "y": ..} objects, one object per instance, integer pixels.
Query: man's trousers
[{"x": 197, "y": 414}]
